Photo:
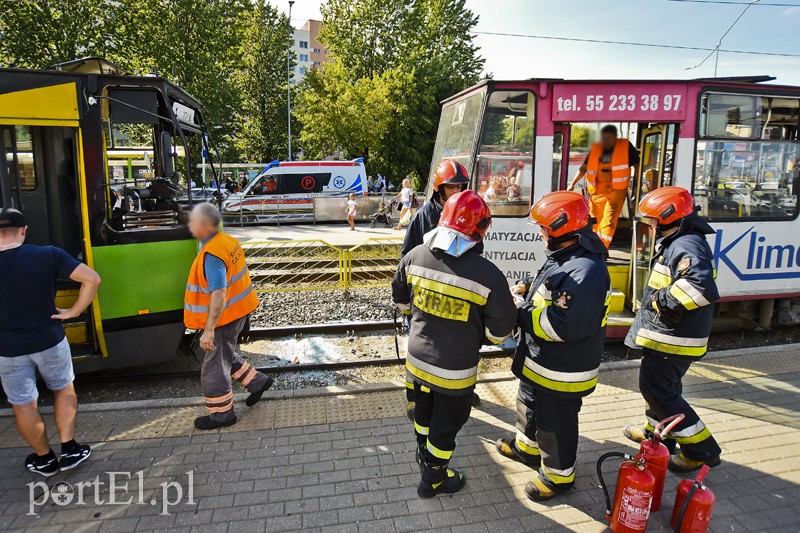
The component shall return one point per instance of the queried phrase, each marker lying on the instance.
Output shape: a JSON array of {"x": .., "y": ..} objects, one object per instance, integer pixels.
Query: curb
[{"x": 367, "y": 388}]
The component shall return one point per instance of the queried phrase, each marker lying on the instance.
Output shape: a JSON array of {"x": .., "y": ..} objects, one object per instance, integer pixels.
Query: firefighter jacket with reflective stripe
[
  {"x": 455, "y": 304},
  {"x": 677, "y": 304},
  {"x": 241, "y": 299},
  {"x": 563, "y": 319},
  {"x": 619, "y": 167}
]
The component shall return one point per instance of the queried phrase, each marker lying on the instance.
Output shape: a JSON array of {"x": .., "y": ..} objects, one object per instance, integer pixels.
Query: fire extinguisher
[
  {"x": 656, "y": 455},
  {"x": 693, "y": 505},
  {"x": 635, "y": 486}
]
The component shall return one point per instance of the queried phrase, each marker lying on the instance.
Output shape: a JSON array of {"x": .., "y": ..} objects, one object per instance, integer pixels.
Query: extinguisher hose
[
  {"x": 685, "y": 506},
  {"x": 600, "y": 462}
]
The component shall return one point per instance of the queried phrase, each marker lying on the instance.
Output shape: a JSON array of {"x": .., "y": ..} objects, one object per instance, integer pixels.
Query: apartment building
[{"x": 307, "y": 49}]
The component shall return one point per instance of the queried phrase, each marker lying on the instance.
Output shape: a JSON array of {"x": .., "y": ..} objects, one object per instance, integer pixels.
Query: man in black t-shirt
[{"x": 32, "y": 338}]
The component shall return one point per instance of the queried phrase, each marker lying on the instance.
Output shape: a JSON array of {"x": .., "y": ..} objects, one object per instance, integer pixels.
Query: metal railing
[{"x": 303, "y": 265}]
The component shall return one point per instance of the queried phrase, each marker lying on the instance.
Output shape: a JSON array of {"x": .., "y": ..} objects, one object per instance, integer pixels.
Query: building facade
[{"x": 309, "y": 52}]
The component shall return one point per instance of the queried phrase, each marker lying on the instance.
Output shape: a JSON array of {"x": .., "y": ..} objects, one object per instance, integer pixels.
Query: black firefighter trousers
[
  {"x": 437, "y": 420},
  {"x": 660, "y": 384},
  {"x": 547, "y": 426}
]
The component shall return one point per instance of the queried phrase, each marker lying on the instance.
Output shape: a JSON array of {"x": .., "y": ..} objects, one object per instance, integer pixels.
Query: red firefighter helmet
[
  {"x": 667, "y": 205},
  {"x": 561, "y": 212},
  {"x": 449, "y": 171},
  {"x": 467, "y": 213}
]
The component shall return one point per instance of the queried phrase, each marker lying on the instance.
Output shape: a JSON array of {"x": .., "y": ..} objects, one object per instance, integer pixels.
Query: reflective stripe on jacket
[
  {"x": 241, "y": 299},
  {"x": 682, "y": 279},
  {"x": 620, "y": 167},
  {"x": 456, "y": 304},
  {"x": 563, "y": 320}
]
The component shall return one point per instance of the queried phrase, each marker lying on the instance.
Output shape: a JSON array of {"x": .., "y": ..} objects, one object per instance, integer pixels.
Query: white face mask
[{"x": 448, "y": 241}]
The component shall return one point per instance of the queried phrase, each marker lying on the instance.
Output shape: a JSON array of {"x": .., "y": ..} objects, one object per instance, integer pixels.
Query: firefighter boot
[
  {"x": 537, "y": 490},
  {"x": 508, "y": 448},
  {"x": 436, "y": 478},
  {"x": 680, "y": 464},
  {"x": 635, "y": 433}
]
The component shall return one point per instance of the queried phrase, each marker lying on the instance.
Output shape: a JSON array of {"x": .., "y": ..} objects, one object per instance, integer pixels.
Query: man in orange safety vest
[
  {"x": 218, "y": 300},
  {"x": 608, "y": 176}
]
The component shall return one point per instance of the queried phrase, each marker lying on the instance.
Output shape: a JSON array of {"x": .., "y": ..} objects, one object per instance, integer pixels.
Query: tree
[
  {"x": 39, "y": 33},
  {"x": 392, "y": 62},
  {"x": 262, "y": 86},
  {"x": 194, "y": 43}
]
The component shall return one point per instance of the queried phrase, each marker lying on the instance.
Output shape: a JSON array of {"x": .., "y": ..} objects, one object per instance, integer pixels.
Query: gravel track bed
[{"x": 319, "y": 307}]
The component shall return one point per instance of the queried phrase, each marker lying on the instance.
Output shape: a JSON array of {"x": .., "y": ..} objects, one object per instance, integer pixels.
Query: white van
[{"x": 285, "y": 191}]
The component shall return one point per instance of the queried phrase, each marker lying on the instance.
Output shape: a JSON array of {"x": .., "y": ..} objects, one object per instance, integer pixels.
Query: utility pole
[{"x": 289, "y": 80}]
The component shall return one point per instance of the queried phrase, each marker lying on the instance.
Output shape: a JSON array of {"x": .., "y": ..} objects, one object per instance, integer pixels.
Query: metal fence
[{"x": 302, "y": 265}]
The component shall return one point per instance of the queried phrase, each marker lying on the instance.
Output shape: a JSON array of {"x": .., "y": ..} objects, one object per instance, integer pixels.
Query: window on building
[
  {"x": 303, "y": 70},
  {"x": 303, "y": 57},
  {"x": 317, "y": 64},
  {"x": 317, "y": 51},
  {"x": 748, "y": 157},
  {"x": 303, "y": 44},
  {"x": 504, "y": 166}
]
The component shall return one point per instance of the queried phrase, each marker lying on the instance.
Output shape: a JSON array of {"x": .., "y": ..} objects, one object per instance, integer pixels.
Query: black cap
[{"x": 11, "y": 218}]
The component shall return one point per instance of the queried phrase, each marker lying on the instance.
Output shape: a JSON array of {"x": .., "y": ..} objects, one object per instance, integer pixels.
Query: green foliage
[
  {"x": 229, "y": 54},
  {"x": 37, "y": 33},
  {"x": 579, "y": 136},
  {"x": 262, "y": 85},
  {"x": 392, "y": 62}
]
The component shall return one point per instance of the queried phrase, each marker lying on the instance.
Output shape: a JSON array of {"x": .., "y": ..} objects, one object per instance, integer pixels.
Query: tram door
[{"x": 655, "y": 170}]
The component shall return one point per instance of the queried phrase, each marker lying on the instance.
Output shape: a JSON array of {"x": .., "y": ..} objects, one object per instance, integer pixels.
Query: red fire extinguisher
[
  {"x": 693, "y": 505},
  {"x": 634, "y": 494},
  {"x": 656, "y": 455}
]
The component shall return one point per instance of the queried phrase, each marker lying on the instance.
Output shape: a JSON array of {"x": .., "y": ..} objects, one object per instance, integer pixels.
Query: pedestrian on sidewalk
[
  {"x": 219, "y": 299},
  {"x": 32, "y": 338},
  {"x": 672, "y": 326},
  {"x": 562, "y": 318},
  {"x": 456, "y": 299},
  {"x": 404, "y": 195},
  {"x": 352, "y": 211}
]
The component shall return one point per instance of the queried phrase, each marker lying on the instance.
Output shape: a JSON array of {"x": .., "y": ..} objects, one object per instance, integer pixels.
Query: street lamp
[
  {"x": 289, "y": 81},
  {"x": 719, "y": 42}
]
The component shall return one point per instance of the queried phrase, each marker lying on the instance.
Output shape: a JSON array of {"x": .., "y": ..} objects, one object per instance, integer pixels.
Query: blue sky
[{"x": 763, "y": 28}]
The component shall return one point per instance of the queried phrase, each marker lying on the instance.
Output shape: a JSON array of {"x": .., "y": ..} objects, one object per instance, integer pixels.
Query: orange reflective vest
[
  {"x": 619, "y": 168},
  {"x": 241, "y": 298}
]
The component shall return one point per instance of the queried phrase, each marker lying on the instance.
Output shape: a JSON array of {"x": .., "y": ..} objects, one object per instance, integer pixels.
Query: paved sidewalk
[{"x": 342, "y": 461}]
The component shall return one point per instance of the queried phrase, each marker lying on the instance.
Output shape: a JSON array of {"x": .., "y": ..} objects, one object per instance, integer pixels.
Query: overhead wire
[
  {"x": 732, "y": 3},
  {"x": 632, "y": 43}
]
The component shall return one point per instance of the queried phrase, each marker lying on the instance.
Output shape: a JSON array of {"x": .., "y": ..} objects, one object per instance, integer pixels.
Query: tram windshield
[
  {"x": 748, "y": 157},
  {"x": 503, "y": 164}
]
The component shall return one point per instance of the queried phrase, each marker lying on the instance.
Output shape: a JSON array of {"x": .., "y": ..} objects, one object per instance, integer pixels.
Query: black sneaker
[
  {"x": 43, "y": 466},
  {"x": 71, "y": 459},
  {"x": 256, "y": 396}
]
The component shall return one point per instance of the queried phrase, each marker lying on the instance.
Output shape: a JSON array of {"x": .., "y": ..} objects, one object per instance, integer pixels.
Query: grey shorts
[{"x": 18, "y": 374}]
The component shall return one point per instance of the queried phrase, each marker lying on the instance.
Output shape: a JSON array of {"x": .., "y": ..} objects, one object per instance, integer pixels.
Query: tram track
[{"x": 298, "y": 331}]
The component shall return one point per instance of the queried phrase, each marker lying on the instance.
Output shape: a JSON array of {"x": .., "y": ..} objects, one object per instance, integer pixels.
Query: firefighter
[
  {"x": 449, "y": 178},
  {"x": 673, "y": 324},
  {"x": 218, "y": 300},
  {"x": 608, "y": 175},
  {"x": 562, "y": 316},
  {"x": 456, "y": 299}
]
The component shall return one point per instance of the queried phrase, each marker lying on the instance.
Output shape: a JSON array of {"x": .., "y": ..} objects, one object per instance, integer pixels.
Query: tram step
[
  {"x": 619, "y": 277},
  {"x": 617, "y": 301}
]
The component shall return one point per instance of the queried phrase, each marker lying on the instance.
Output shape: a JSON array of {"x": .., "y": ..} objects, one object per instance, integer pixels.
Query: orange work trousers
[{"x": 606, "y": 206}]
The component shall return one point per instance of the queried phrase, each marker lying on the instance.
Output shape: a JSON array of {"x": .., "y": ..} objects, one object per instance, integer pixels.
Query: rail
[{"x": 313, "y": 264}]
